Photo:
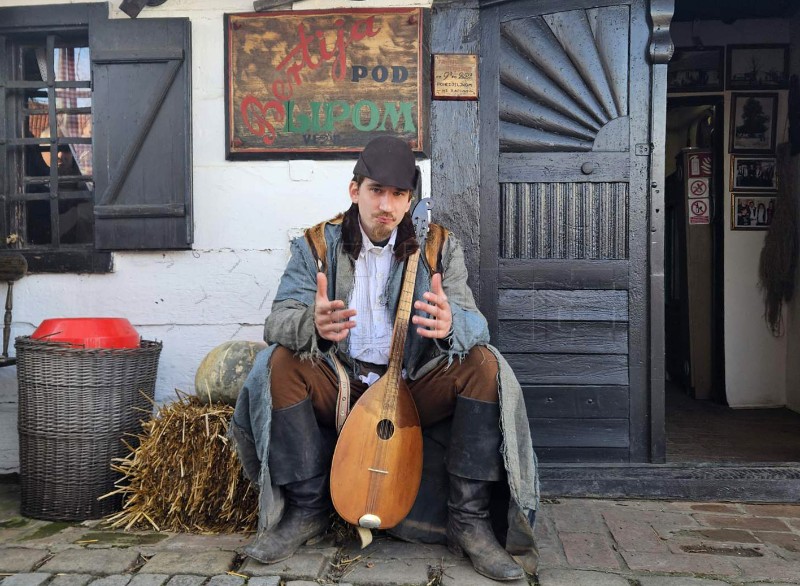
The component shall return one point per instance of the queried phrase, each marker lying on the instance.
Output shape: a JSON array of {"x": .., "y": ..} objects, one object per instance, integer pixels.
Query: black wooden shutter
[{"x": 141, "y": 72}]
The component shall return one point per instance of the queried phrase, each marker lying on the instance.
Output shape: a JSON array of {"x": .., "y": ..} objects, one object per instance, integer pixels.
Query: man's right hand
[{"x": 331, "y": 318}]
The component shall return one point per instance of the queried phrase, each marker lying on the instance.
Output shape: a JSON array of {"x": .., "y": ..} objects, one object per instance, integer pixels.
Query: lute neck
[{"x": 400, "y": 331}]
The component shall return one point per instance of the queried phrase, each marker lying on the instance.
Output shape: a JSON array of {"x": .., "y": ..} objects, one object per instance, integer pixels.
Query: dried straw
[
  {"x": 184, "y": 474},
  {"x": 778, "y": 262}
]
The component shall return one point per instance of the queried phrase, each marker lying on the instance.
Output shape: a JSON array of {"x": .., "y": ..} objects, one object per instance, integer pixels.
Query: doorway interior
[{"x": 700, "y": 427}]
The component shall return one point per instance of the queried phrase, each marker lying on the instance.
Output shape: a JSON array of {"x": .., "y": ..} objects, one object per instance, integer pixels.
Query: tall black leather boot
[
  {"x": 298, "y": 461},
  {"x": 474, "y": 463}
]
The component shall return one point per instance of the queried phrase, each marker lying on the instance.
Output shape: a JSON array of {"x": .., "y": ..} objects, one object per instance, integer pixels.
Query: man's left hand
[{"x": 441, "y": 320}]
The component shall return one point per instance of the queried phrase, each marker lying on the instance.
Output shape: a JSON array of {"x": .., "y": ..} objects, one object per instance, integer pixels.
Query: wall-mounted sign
[
  {"x": 699, "y": 164},
  {"x": 699, "y": 211},
  {"x": 455, "y": 77},
  {"x": 698, "y": 167},
  {"x": 325, "y": 81},
  {"x": 698, "y": 187}
]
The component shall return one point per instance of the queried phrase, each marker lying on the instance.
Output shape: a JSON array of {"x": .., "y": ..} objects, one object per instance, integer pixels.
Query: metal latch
[{"x": 642, "y": 149}]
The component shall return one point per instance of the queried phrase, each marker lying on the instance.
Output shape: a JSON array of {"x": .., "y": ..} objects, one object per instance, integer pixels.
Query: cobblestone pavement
[{"x": 582, "y": 542}]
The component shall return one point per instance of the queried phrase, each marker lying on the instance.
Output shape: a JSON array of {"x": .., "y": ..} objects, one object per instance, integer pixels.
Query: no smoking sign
[
  {"x": 698, "y": 211},
  {"x": 698, "y": 187}
]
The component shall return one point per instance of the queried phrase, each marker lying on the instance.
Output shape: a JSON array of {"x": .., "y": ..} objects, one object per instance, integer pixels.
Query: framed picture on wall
[
  {"x": 751, "y": 211},
  {"x": 757, "y": 67},
  {"x": 696, "y": 70},
  {"x": 752, "y": 173},
  {"x": 753, "y": 123}
]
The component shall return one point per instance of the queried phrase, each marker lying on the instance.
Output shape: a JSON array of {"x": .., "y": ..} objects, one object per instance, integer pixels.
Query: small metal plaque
[{"x": 455, "y": 77}]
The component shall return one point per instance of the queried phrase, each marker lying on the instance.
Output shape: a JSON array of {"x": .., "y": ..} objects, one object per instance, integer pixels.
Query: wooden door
[{"x": 565, "y": 115}]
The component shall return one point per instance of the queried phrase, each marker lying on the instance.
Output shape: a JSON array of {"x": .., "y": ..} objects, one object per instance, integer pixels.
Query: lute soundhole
[{"x": 385, "y": 429}]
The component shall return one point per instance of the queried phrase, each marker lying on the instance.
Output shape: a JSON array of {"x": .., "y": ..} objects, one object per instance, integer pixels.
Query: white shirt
[{"x": 371, "y": 338}]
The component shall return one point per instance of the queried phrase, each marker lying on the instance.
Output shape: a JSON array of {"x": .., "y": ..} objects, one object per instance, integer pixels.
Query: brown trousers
[{"x": 475, "y": 377}]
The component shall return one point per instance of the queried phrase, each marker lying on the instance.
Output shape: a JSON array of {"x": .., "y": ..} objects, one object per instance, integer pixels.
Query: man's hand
[
  {"x": 331, "y": 319},
  {"x": 441, "y": 320}
]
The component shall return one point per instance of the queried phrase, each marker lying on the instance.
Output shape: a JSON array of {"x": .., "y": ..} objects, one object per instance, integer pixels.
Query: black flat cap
[{"x": 389, "y": 161}]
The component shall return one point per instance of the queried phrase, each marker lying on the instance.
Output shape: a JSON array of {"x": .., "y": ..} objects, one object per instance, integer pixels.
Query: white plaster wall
[
  {"x": 755, "y": 361},
  {"x": 244, "y": 212}
]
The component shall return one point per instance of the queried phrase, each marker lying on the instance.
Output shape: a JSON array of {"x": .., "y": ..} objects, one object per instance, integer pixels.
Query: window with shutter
[{"x": 95, "y": 135}]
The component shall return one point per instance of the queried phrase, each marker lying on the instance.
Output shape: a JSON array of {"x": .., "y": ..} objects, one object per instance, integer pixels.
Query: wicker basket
[{"x": 75, "y": 406}]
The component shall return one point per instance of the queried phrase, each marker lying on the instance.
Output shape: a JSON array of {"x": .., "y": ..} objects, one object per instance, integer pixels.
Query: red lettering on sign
[
  {"x": 282, "y": 89},
  {"x": 254, "y": 114},
  {"x": 302, "y": 48},
  {"x": 298, "y": 58},
  {"x": 359, "y": 30},
  {"x": 363, "y": 28}
]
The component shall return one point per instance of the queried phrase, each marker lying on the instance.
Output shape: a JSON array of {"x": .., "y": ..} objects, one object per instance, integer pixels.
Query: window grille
[{"x": 50, "y": 189}]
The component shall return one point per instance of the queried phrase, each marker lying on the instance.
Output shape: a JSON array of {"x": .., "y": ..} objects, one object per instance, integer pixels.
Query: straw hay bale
[{"x": 184, "y": 474}]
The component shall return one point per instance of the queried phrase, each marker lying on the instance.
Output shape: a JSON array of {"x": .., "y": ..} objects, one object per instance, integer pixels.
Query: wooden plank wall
[{"x": 455, "y": 178}]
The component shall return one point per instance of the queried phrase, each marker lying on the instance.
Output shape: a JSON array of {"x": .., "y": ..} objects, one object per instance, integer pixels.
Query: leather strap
[
  {"x": 315, "y": 236},
  {"x": 343, "y": 398},
  {"x": 434, "y": 243}
]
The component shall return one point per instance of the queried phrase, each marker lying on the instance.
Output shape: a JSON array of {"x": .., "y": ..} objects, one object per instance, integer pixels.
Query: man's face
[
  {"x": 380, "y": 207},
  {"x": 64, "y": 161}
]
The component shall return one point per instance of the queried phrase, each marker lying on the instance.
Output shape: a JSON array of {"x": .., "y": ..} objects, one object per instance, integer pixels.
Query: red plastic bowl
[{"x": 89, "y": 332}]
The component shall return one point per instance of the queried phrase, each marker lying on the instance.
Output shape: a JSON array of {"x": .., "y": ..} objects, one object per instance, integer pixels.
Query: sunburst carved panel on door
[{"x": 564, "y": 82}]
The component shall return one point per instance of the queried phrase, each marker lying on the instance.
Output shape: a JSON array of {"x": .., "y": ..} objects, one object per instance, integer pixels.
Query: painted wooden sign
[{"x": 325, "y": 82}]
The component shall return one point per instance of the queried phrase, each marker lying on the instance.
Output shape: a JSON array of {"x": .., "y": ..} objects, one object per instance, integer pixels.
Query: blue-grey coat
[{"x": 291, "y": 324}]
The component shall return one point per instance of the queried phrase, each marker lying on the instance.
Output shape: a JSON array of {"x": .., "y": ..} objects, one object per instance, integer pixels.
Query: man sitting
[{"x": 335, "y": 306}]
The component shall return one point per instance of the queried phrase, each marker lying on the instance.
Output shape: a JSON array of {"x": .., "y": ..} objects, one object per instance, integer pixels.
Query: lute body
[{"x": 377, "y": 464}]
